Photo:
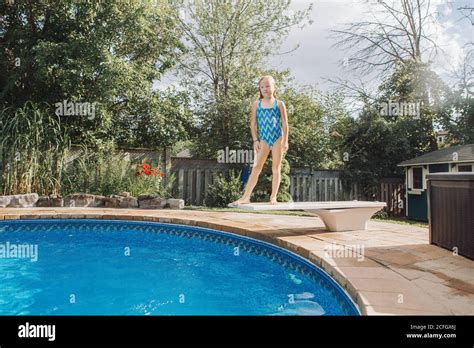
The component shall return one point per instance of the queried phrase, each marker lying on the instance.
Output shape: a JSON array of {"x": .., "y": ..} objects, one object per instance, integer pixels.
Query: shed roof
[{"x": 465, "y": 153}]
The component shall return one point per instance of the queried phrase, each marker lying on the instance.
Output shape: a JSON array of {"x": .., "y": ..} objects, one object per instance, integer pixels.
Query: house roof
[
  {"x": 445, "y": 155},
  {"x": 186, "y": 153}
]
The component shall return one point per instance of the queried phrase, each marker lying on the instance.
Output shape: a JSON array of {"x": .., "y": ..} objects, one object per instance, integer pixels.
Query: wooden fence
[
  {"x": 193, "y": 178},
  {"x": 322, "y": 185},
  {"x": 392, "y": 191}
]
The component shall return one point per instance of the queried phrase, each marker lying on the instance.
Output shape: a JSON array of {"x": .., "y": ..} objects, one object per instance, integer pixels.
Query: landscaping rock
[
  {"x": 124, "y": 194},
  {"x": 50, "y": 201},
  {"x": 19, "y": 201},
  {"x": 120, "y": 201},
  {"x": 151, "y": 202},
  {"x": 4, "y": 201},
  {"x": 175, "y": 203},
  {"x": 84, "y": 200}
]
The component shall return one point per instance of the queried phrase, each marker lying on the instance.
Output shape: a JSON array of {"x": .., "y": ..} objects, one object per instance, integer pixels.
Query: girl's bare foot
[
  {"x": 273, "y": 200},
  {"x": 242, "y": 200}
]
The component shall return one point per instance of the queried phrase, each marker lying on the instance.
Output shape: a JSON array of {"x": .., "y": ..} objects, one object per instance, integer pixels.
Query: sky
[{"x": 315, "y": 60}]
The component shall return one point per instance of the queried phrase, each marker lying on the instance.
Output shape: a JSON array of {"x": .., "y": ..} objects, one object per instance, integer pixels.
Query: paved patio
[{"x": 387, "y": 269}]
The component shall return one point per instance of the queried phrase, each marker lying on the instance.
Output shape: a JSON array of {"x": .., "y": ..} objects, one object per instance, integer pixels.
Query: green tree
[
  {"x": 457, "y": 113},
  {"x": 162, "y": 120},
  {"x": 457, "y": 117},
  {"x": 416, "y": 83},
  {"x": 228, "y": 43},
  {"x": 312, "y": 115},
  {"x": 372, "y": 145},
  {"x": 107, "y": 53}
]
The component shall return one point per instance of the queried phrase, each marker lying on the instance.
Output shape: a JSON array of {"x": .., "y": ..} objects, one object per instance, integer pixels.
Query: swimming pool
[{"x": 116, "y": 267}]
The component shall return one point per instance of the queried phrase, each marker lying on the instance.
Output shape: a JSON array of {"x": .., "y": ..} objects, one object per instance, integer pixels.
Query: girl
[{"x": 269, "y": 114}]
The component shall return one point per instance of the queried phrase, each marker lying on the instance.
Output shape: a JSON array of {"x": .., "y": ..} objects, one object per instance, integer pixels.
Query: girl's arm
[
  {"x": 284, "y": 123},
  {"x": 253, "y": 127},
  {"x": 253, "y": 121}
]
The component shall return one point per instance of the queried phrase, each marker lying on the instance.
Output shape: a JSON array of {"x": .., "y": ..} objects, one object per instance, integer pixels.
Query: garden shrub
[
  {"x": 105, "y": 172},
  {"x": 226, "y": 189}
]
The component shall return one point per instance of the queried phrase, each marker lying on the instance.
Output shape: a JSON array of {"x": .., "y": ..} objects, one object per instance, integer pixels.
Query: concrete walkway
[{"x": 387, "y": 269}]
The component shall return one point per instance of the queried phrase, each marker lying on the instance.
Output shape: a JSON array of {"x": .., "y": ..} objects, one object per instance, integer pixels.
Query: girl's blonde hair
[{"x": 272, "y": 80}]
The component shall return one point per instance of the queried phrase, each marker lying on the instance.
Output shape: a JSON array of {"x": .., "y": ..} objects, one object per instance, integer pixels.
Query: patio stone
[
  {"x": 366, "y": 272},
  {"x": 398, "y": 258},
  {"x": 381, "y": 285},
  {"x": 409, "y": 299},
  {"x": 11, "y": 217},
  {"x": 381, "y": 310}
]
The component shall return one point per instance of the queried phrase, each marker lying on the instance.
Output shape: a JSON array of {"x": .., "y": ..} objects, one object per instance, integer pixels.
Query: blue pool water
[{"x": 101, "y": 267}]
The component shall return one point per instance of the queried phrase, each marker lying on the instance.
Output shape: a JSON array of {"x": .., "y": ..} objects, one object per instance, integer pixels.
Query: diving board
[{"x": 336, "y": 215}]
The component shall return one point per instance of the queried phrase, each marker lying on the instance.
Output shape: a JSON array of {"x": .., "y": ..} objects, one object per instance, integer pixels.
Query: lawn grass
[{"x": 401, "y": 221}]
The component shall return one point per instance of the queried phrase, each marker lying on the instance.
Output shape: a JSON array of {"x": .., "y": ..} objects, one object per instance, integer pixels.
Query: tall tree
[
  {"x": 228, "y": 43},
  {"x": 457, "y": 114},
  {"x": 107, "y": 53},
  {"x": 395, "y": 32}
]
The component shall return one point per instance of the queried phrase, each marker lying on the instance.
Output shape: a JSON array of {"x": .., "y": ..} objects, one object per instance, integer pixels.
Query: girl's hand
[
  {"x": 257, "y": 146},
  {"x": 284, "y": 145}
]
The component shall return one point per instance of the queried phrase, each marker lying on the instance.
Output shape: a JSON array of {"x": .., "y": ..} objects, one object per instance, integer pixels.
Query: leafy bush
[
  {"x": 151, "y": 181},
  {"x": 381, "y": 214},
  {"x": 106, "y": 172},
  {"x": 226, "y": 188}
]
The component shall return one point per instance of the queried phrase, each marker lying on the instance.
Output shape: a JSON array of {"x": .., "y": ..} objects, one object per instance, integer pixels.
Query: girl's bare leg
[
  {"x": 277, "y": 156},
  {"x": 259, "y": 161}
]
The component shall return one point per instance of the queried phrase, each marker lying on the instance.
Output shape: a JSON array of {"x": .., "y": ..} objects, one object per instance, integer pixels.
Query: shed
[{"x": 453, "y": 159}]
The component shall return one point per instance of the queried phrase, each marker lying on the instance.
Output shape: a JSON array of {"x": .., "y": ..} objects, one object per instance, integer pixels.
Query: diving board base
[{"x": 337, "y": 220}]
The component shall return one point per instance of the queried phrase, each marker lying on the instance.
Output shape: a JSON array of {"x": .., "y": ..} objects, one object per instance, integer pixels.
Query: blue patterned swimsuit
[{"x": 269, "y": 123}]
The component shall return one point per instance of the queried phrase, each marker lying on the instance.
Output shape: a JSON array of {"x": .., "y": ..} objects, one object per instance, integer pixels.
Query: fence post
[
  {"x": 198, "y": 186},
  {"x": 304, "y": 188},
  {"x": 297, "y": 187},
  {"x": 325, "y": 189},
  {"x": 292, "y": 186},
  {"x": 207, "y": 175},
  {"x": 181, "y": 183},
  {"x": 189, "y": 187}
]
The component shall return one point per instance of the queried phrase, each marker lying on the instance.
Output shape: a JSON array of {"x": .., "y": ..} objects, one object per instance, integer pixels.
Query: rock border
[{"x": 86, "y": 200}]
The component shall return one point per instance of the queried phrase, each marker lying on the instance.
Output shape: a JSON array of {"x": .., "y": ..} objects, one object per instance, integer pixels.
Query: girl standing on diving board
[{"x": 269, "y": 116}]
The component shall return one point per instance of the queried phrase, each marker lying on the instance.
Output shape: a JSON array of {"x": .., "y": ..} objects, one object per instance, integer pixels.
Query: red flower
[
  {"x": 137, "y": 174},
  {"x": 162, "y": 174},
  {"x": 147, "y": 172},
  {"x": 145, "y": 166},
  {"x": 155, "y": 171}
]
